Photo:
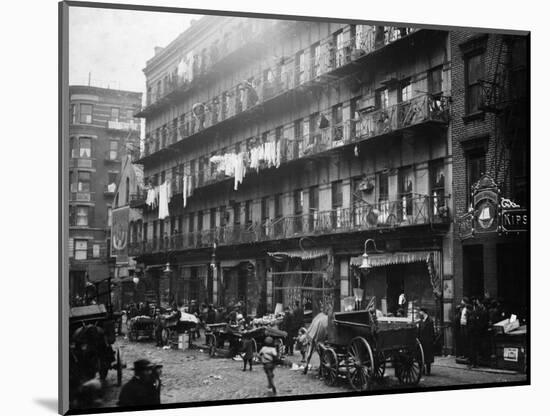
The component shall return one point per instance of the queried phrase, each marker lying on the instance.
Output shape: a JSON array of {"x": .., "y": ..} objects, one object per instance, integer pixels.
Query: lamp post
[{"x": 365, "y": 266}]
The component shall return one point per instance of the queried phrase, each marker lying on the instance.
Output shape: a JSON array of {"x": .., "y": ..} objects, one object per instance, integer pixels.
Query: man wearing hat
[
  {"x": 143, "y": 388},
  {"x": 426, "y": 336}
]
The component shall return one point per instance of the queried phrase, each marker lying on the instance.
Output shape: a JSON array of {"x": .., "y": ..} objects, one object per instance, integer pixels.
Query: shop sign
[
  {"x": 515, "y": 220},
  {"x": 485, "y": 198},
  {"x": 510, "y": 354}
]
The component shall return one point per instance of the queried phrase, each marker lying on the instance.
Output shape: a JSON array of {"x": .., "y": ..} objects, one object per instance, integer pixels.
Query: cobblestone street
[{"x": 191, "y": 376}]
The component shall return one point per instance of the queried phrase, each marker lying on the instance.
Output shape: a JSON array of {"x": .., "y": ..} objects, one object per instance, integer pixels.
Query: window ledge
[{"x": 478, "y": 115}]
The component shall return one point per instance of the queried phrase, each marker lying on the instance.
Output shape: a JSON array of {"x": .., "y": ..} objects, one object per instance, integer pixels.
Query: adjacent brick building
[
  {"x": 490, "y": 142},
  {"x": 101, "y": 128}
]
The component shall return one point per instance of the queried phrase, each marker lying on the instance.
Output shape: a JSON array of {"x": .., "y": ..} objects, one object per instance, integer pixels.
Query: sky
[{"x": 114, "y": 45}]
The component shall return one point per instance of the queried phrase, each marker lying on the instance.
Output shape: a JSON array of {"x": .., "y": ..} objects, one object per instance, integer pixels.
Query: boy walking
[{"x": 269, "y": 358}]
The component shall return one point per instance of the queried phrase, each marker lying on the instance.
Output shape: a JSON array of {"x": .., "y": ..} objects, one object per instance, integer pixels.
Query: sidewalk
[{"x": 449, "y": 361}]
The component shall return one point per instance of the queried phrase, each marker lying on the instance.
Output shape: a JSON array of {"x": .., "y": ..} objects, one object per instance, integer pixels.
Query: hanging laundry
[
  {"x": 151, "y": 198},
  {"x": 163, "y": 201},
  {"x": 240, "y": 170},
  {"x": 182, "y": 69}
]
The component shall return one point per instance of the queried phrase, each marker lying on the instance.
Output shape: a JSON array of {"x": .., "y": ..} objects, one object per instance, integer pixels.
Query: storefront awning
[
  {"x": 387, "y": 259},
  {"x": 302, "y": 254}
]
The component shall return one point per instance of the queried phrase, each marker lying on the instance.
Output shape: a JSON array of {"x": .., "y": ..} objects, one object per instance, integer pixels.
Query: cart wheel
[
  {"x": 380, "y": 365},
  {"x": 211, "y": 342},
  {"x": 359, "y": 362},
  {"x": 409, "y": 366},
  {"x": 329, "y": 366},
  {"x": 118, "y": 369}
]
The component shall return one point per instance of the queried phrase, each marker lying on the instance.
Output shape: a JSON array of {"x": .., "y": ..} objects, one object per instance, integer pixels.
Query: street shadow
[{"x": 49, "y": 404}]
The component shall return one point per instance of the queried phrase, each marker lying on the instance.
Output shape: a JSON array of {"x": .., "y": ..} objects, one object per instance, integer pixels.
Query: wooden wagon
[
  {"x": 359, "y": 346},
  {"x": 141, "y": 327}
]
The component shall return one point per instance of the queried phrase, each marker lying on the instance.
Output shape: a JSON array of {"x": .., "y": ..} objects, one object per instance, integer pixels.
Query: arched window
[{"x": 127, "y": 191}]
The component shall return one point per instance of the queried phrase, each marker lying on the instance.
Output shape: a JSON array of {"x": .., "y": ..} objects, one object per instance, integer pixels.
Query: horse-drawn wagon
[{"x": 358, "y": 345}]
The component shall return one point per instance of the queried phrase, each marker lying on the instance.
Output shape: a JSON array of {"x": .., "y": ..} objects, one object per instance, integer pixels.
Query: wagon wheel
[
  {"x": 380, "y": 365},
  {"x": 211, "y": 342},
  {"x": 359, "y": 364},
  {"x": 329, "y": 366},
  {"x": 410, "y": 365},
  {"x": 118, "y": 367}
]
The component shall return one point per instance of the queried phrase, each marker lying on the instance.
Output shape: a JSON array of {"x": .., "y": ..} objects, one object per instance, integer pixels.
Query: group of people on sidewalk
[{"x": 473, "y": 319}]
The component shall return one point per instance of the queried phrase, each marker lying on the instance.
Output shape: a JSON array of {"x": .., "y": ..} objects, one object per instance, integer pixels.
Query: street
[{"x": 192, "y": 376}]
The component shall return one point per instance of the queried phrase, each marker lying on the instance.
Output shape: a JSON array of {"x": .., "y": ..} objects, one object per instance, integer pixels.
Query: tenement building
[
  {"x": 490, "y": 169},
  {"x": 101, "y": 127},
  {"x": 278, "y": 152}
]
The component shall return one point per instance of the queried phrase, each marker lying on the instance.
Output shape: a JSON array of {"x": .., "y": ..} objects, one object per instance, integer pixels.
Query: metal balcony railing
[
  {"x": 409, "y": 210},
  {"x": 278, "y": 80}
]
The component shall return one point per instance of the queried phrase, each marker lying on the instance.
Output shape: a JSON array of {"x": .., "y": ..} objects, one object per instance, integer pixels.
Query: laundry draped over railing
[{"x": 160, "y": 196}]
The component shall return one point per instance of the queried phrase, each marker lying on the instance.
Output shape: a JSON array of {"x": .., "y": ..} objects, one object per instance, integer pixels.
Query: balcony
[
  {"x": 409, "y": 211},
  {"x": 273, "y": 84},
  {"x": 419, "y": 111},
  {"x": 109, "y": 190},
  {"x": 123, "y": 125},
  {"x": 214, "y": 60},
  {"x": 85, "y": 163},
  {"x": 82, "y": 196}
]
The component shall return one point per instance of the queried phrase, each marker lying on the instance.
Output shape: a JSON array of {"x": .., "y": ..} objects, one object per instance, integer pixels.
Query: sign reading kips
[{"x": 514, "y": 220}]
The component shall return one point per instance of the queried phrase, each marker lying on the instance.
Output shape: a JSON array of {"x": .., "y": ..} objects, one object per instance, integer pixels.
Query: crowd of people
[{"x": 474, "y": 319}]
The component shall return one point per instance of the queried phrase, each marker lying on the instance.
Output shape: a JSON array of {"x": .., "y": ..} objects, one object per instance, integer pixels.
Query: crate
[{"x": 510, "y": 353}]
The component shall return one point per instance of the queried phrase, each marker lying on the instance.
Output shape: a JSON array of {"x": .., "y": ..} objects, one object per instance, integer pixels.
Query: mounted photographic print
[{"x": 260, "y": 208}]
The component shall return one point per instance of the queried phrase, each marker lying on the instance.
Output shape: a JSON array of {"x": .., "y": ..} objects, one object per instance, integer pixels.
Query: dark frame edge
[{"x": 63, "y": 232}]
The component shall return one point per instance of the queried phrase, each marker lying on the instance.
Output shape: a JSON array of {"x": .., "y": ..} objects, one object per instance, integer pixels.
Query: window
[
  {"x": 437, "y": 184},
  {"x": 435, "y": 80},
  {"x": 223, "y": 216},
  {"x": 300, "y": 67},
  {"x": 382, "y": 98},
  {"x": 337, "y": 195},
  {"x": 248, "y": 212},
  {"x": 265, "y": 210},
  {"x": 383, "y": 187},
  {"x": 84, "y": 180},
  {"x": 80, "y": 249},
  {"x": 73, "y": 114},
  {"x": 340, "y": 52},
  {"x": 72, "y": 147},
  {"x": 405, "y": 93},
  {"x": 86, "y": 113},
  {"x": 474, "y": 70},
  {"x": 85, "y": 144},
  {"x": 237, "y": 213},
  {"x": 111, "y": 176},
  {"x": 316, "y": 59},
  {"x": 406, "y": 181},
  {"x": 115, "y": 113},
  {"x": 298, "y": 202},
  {"x": 113, "y": 150},
  {"x": 191, "y": 223},
  {"x": 337, "y": 118},
  {"x": 314, "y": 198},
  {"x": 82, "y": 216},
  {"x": 212, "y": 218},
  {"x": 109, "y": 216},
  {"x": 199, "y": 221},
  {"x": 127, "y": 193},
  {"x": 278, "y": 205},
  {"x": 95, "y": 251},
  {"x": 475, "y": 164}
]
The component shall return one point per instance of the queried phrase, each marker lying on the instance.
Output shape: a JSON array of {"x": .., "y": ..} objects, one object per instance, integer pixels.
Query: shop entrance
[
  {"x": 395, "y": 285},
  {"x": 473, "y": 270},
  {"x": 512, "y": 277}
]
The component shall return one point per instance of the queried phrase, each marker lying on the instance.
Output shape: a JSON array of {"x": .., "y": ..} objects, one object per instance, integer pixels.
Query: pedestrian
[
  {"x": 210, "y": 315},
  {"x": 426, "y": 336},
  {"x": 472, "y": 334},
  {"x": 158, "y": 329},
  {"x": 289, "y": 326},
  {"x": 301, "y": 343},
  {"x": 463, "y": 314},
  {"x": 144, "y": 388},
  {"x": 298, "y": 313},
  {"x": 269, "y": 358},
  {"x": 248, "y": 349}
]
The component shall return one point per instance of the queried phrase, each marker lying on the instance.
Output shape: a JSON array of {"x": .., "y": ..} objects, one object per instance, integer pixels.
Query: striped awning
[
  {"x": 302, "y": 254},
  {"x": 387, "y": 259}
]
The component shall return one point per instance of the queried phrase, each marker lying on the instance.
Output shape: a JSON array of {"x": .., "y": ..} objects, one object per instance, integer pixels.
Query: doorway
[{"x": 472, "y": 266}]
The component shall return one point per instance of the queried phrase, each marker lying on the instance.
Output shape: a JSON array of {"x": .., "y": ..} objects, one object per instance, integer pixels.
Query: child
[
  {"x": 248, "y": 349},
  {"x": 301, "y": 343},
  {"x": 269, "y": 358}
]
